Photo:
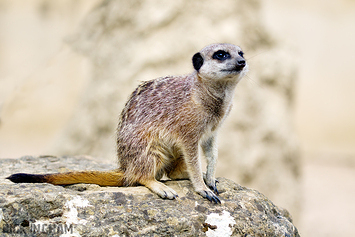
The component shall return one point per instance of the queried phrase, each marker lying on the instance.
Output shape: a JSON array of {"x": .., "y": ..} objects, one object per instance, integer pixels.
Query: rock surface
[{"x": 91, "y": 210}]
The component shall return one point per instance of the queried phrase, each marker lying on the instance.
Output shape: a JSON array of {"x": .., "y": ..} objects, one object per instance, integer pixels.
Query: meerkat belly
[{"x": 165, "y": 149}]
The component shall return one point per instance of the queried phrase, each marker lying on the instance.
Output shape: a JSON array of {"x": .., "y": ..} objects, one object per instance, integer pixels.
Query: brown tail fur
[{"x": 102, "y": 178}]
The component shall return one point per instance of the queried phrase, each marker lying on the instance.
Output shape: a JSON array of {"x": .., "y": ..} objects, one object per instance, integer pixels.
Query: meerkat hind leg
[
  {"x": 151, "y": 181},
  {"x": 179, "y": 170},
  {"x": 159, "y": 188}
]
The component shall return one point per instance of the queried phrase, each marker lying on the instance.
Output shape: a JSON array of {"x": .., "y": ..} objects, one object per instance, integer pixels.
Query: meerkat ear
[{"x": 197, "y": 61}]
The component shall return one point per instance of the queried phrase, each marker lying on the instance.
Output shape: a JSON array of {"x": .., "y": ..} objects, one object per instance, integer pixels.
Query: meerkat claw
[
  {"x": 173, "y": 196},
  {"x": 214, "y": 188},
  {"x": 212, "y": 185},
  {"x": 210, "y": 196}
]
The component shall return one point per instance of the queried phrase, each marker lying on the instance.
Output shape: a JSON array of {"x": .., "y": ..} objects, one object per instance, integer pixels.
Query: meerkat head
[{"x": 220, "y": 62}]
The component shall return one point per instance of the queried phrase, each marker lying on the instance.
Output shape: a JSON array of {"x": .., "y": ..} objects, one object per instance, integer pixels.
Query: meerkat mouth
[{"x": 235, "y": 69}]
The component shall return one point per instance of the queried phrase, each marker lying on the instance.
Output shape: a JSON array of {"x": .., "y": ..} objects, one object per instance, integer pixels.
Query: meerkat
[{"x": 165, "y": 124}]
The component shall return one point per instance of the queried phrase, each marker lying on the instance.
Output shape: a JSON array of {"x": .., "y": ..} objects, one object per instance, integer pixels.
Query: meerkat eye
[
  {"x": 221, "y": 55},
  {"x": 241, "y": 54}
]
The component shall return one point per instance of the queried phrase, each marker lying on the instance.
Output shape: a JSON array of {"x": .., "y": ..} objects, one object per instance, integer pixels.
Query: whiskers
[
  {"x": 248, "y": 59},
  {"x": 253, "y": 81}
]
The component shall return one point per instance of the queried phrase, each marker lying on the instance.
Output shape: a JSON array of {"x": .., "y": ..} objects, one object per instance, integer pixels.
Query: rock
[{"x": 90, "y": 210}]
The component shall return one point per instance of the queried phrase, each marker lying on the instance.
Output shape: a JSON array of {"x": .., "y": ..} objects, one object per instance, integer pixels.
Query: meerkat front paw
[
  {"x": 210, "y": 196},
  {"x": 213, "y": 186},
  {"x": 211, "y": 183}
]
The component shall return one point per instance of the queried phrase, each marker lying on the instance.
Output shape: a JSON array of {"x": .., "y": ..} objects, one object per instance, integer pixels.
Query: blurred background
[{"x": 301, "y": 56}]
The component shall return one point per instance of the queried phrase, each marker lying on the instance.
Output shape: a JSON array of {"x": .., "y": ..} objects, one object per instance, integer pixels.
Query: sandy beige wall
[
  {"x": 323, "y": 36},
  {"x": 321, "y": 33},
  {"x": 35, "y": 70}
]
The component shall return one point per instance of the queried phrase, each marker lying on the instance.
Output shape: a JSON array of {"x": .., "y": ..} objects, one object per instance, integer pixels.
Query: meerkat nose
[{"x": 241, "y": 62}]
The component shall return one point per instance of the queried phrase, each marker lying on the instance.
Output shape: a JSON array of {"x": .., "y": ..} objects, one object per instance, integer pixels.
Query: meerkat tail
[{"x": 102, "y": 178}]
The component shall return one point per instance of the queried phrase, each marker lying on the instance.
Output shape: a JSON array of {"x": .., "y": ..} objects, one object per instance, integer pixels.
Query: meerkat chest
[
  {"x": 216, "y": 114},
  {"x": 214, "y": 124}
]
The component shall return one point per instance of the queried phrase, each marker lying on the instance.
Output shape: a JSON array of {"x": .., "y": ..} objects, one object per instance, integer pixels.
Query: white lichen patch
[
  {"x": 224, "y": 224},
  {"x": 1, "y": 218},
  {"x": 1, "y": 215},
  {"x": 71, "y": 214}
]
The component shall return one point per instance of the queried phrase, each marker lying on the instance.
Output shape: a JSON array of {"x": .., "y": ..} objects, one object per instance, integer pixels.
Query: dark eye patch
[
  {"x": 241, "y": 54},
  {"x": 221, "y": 55}
]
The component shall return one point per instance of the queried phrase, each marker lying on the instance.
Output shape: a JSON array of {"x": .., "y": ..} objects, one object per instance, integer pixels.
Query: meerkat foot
[
  {"x": 212, "y": 183},
  {"x": 161, "y": 189},
  {"x": 212, "y": 197}
]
